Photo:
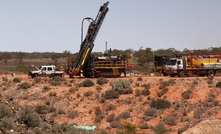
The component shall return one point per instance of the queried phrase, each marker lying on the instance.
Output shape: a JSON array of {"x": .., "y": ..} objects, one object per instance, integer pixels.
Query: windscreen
[{"x": 171, "y": 62}]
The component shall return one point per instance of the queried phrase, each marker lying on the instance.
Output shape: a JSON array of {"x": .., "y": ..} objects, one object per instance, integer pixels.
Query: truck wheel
[
  {"x": 172, "y": 75},
  {"x": 211, "y": 73},
  {"x": 164, "y": 74},
  {"x": 190, "y": 74},
  {"x": 33, "y": 75},
  {"x": 181, "y": 74}
]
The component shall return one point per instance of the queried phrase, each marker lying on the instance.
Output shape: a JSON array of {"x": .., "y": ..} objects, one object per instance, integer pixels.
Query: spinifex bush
[
  {"x": 160, "y": 103},
  {"x": 122, "y": 86},
  {"x": 25, "y": 85},
  {"x": 101, "y": 80},
  {"x": 86, "y": 83}
]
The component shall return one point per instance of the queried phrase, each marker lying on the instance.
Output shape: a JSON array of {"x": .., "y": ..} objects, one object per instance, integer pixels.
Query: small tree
[{"x": 55, "y": 58}]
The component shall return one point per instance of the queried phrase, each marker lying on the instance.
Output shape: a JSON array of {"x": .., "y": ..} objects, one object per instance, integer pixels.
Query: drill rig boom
[{"x": 88, "y": 43}]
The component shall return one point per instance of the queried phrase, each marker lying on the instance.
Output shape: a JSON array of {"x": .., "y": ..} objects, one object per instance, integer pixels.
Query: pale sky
[{"x": 55, "y": 25}]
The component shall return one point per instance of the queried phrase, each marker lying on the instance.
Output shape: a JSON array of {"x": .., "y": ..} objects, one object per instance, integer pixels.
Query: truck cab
[{"x": 175, "y": 66}]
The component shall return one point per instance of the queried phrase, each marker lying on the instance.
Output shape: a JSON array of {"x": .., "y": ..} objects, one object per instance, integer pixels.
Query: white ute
[{"x": 49, "y": 70}]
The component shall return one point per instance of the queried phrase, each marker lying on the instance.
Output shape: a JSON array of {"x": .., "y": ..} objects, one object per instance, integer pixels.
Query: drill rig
[{"x": 90, "y": 66}]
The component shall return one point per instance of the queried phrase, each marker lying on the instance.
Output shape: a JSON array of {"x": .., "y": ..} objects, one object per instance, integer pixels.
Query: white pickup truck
[{"x": 48, "y": 70}]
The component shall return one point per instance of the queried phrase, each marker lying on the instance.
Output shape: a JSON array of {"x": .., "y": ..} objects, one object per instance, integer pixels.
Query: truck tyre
[
  {"x": 211, "y": 73},
  {"x": 172, "y": 75},
  {"x": 164, "y": 74},
  {"x": 190, "y": 74},
  {"x": 181, "y": 74},
  {"x": 33, "y": 75}
]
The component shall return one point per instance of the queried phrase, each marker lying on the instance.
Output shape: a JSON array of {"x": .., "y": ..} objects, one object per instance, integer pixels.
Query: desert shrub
[
  {"x": 137, "y": 92},
  {"x": 55, "y": 81},
  {"x": 109, "y": 107},
  {"x": 210, "y": 97},
  {"x": 110, "y": 117},
  {"x": 115, "y": 124},
  {"x": 98, "y": 118},
  {"x": 101, "y": 80},
  {"x": 164, "y": 84},
  {"x": 5, "y": 79},
  {"x": 7, "y": 123},
  {"x": 97, "y": 110},
  {"x": 29, "y": 117},
  {"x": 139, "y": 78},
  {"x": 86, "y": 83},
  {"x": 182, "y": 129},
  {"x": 125, "y": 115},
  {"x": 16, "y": 80},
  {"x": 146, "y": 90},
  {"x": 52, "y": 94},
  {"x": 144, "y": 126},
  {"x": 111, "y": 94},
  {"x": 5, "y": 111},
  {"x": 131, "y": 81},
  {"x": 128, "y": 128},
  {"x": 210, "y": 79},
  {"x": 160, "y": 128},
  {"x": 73, "y": 114},
  {"x": 151, "y": 111},
  {"x": 37, "y": 80},
  {"x": 170, "y": 120},
  {"x": 46, "y": 88},
  {"x": 160, "y": 103},
  {"x": 198, "y": 113},
  {"x": 42, "y": 109},
  {"x": 24, "y": 85},
  {"x": 218, "y": 84},
  {"x": 122, "y": 86},
  {"x": 162, "y": 92},
  {"x": 88, "y": 93},
  {"x": 186, "y": 94}
]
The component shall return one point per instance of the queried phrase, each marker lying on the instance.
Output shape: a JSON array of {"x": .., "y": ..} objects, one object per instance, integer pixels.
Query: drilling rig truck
[
  {"x": 189, "y": 66},
  {"x": 91, "y": 66}
]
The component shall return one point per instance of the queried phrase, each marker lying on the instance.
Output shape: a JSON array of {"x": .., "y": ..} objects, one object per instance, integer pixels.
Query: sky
[{"x": 55, "y": 25}]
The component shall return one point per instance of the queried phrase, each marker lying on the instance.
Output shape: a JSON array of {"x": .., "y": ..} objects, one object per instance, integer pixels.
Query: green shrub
[
  {"x": 111, "y": 94},
  {"x": 97, "y": 110},
  {"x": 162, "y": 92},
  {"x": 73, "y": 114},
  {"x": 139, "y": 78},
  {"x": 160, "y": 103},
  {"x": 55, "y": 81},
  {"x": 24, "y": 85},
  {"x": 144, "y": 126},
  {"x": 86, "y": 83},
  {"x": 197, "y": 114},
  {"x": 37, "y": 80},
  {"x": 88, "y": 93},
  {"x": 72, "y": 90},
  {"x": 46, "y": 88},
  {"x": 125, "y": 115},
  {"x": 137, "y": 92},
  {"x": 115, "y": 124},
  {"x": 29, "y": 117},
  {"x": 182, "y": 129},
  {"x": 160, "y": 128},
  {"x": 129, "y": 128},
  {"x": 186, "y": 94},
  {"x": 5, "y": 111},
  {"x": 42, "y": 109},
  {"x": 110, "y": 117},
  {"x": 170, "y": 120},
  {"x": 7, "y": 123},
  {"x": 109, "y": 107},
  {"x": 151, "y": 111},
  {"x": 101, "y": 80},
  {"x": 16, "y": 80},
  {"x": 122, "y": 86},
  {"x": 146, "y": 90},
  {"x": 218, "y": 84}
]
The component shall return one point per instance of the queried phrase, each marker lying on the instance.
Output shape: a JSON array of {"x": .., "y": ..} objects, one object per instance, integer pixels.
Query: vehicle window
[
  {"x": 49, "y": 68},
  {"x": 44, "y": 69},
  {"x": 171, "y": 62}
]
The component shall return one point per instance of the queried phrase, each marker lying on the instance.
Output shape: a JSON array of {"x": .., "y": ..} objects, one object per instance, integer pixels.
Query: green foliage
[
  {"x": 160, "y": 128},
  {"x": 23, "y": 68},
  {"x": 16, "y": 80},
  {"x": 182, "y": 129},
  {"x": 29, "y": 117},
  {"x": 218, "y": 84},
  {"x": 37, "y": 80},
  {"x": 160, "y": 103},
  {"x": 170, "y": 120},
  {"x": 5, "y": 111},
  {"x": 24, "y": 85},
  {"x": 124, "y": 114},
  {"x": 111, "y": 94},
  {"x": 144, "y": 126},
  {"x": 186, "y": 94},
  {"x": 101, "y": 80},
  {"x": 88, "y": 93},
  {"x": 7, "y": 123},
  {"x": 55, "y": 81},
  {"x": 128, "y": 128},
  {"x": 86, "y": 83},
  {"x": 151, "y": 111},
  {"x": 110, "y": 117},
  {"x": 46, "y": 88},
  {"x": 115, "y": 124},
  {"x": 72, "y": 114},
  {"x": 146, "y": 90},
  {"x": 42, "y": 109},
  {"x": 122, "y": 86}
]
